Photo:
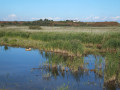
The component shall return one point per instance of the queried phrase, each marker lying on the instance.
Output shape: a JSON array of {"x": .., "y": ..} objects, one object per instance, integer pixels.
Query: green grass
[
  {"x": 83, "y": 37},
  {"x": 5, "y": 39},
  {"x": 112, "y": 66},
  {"x": 2, "y": 34},
  {"x": 71, "y": 42},
  {"x": 112, "y": 43},
  {"x": 17, "y": 34}
]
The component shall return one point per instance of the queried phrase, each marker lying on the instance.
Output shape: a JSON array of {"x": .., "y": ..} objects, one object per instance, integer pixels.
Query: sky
[{"x": 82, "y": 10}]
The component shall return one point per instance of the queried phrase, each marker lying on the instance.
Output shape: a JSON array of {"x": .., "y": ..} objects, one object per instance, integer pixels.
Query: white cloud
[
  {"x": 115, "y": 18},
  {"x": 11, "y": 17},
  {"x": 35, "y": 18},
  {"x": 14, "y": 17},
  {"x": 50, "y": 18},
  {"x": 98, "y": 18}
]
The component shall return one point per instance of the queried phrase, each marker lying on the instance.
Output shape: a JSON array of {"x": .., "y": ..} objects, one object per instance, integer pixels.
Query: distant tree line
[{"x": 47, "y": 22}]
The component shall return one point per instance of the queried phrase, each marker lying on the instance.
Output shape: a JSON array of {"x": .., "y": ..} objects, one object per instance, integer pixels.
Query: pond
[{"x": 40, "y": 70}]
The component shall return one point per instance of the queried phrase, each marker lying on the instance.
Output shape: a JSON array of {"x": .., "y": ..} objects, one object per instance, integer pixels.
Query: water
[{"x": 37, "y": 70}]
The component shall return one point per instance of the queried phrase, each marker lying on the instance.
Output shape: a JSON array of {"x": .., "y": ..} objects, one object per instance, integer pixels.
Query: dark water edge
[{"x": 39, "y": 70}]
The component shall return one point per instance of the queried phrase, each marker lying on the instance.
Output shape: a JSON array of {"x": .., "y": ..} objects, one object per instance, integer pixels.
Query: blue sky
[{"x": 83, "y": 10}]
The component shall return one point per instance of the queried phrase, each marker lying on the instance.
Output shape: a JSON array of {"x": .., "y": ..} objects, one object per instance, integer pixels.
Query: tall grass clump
[
  {"x": 73, "y": 46},
  {"x": 83, "y": 37},
  {"x": 108, "y": 36},
  {"x": 2, "y": 34},
  {"x": 48, "y": 36},
  {"x": 112, "y": 66},
  {"x": 88, "y": 37},
  {"x": 5, "y": 39},
  {"x": 17, "y": 34},
  {"x": 13, "y": 42},
  {"x": 24, "y": 35},
  {"x": 76, "y": 46},
  {"x": 112, "y": 43}
]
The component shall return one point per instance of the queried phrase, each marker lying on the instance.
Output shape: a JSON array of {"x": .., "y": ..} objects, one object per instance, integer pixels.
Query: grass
[
  {"x": 74, "y": 43},
  {"x": 35, "y": 27},
  {"x": 5, "y": 39},
  {"x": 112, "y": 67},
  {"x": 83, "y": 37},
  {"x": 112, "y": 43}
]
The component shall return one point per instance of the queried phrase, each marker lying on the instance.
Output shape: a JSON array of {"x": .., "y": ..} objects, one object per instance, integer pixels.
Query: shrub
[{"x": 2, "y": 25}]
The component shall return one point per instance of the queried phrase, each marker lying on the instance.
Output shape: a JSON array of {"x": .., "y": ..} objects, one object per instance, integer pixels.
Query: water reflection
[
  {"x": 88, "y": 70},
  {"x": 5, "y": 48},
  {"x": 40, "y": 70}
]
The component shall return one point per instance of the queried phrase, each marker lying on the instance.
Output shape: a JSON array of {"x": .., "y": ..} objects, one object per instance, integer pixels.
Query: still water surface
[{"x": 31, "y": 70}]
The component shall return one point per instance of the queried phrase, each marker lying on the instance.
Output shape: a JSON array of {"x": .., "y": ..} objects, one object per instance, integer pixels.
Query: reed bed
[
  {"x": 112, "y": 70},
  {"x": 73, "y": 42}
]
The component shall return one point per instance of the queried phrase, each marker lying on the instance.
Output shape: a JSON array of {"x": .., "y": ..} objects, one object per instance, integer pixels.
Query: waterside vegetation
[{"x": 73, "y": 44}]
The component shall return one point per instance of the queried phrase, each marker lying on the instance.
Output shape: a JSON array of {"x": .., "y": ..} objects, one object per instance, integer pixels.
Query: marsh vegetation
[
  {"x": 66, "y": 48},
  {"x": 73, "y": 42}
]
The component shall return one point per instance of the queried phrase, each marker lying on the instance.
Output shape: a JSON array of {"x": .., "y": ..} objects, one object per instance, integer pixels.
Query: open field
[{"x": 64, "y": 29}]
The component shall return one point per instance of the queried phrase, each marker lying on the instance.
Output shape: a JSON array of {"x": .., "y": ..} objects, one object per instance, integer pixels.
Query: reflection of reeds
[
  {"x": 63, "y": 87},
  {"x": 46, "y": 76},
  {"x": 65, "y": 61}
]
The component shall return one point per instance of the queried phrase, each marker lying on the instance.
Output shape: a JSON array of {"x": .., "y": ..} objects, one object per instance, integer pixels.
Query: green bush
[{"x": 2, "y": 25}]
